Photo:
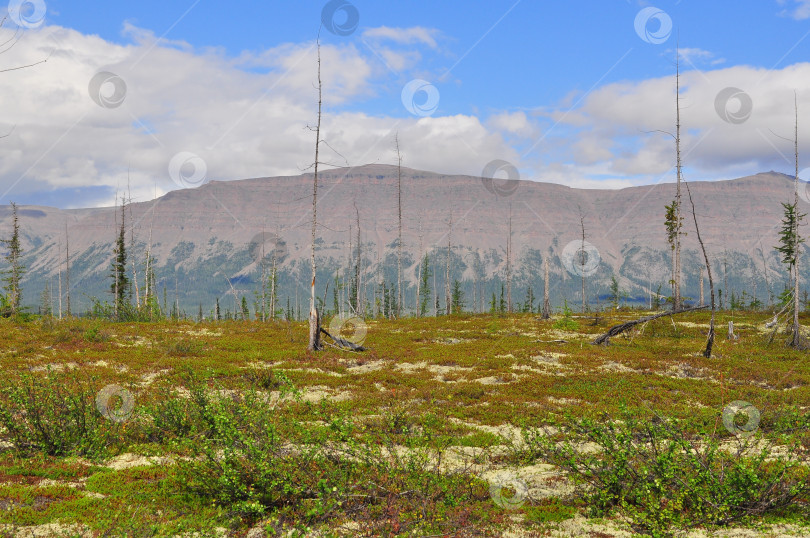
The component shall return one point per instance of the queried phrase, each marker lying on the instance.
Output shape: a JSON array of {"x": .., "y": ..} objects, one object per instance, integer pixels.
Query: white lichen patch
[
  {"x": 55, "y": 367},
  {"x": 612, "y": 366},
  {"x": 450, "y": 341},
  {"x": 149, "y": 378},
  {"x": 411, "y": 366},
  {"x": 133, "y": 341},
  {"x": 366, "y": 368}
]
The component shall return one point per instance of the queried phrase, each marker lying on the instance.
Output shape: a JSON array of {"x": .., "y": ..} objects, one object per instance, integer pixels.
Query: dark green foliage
[
  {"x": 11, "y": 300},
  {"x": 54, "y": 413},
  {"x": 120, "y": 286},
  {"x": 662, "y": 478},
  {"x": 424, "y": 287},
  {"x": 457, "y": 298},
  {"x": 789, "y": 240}
]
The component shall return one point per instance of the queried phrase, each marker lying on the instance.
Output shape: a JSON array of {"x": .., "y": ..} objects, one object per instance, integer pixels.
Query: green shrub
[
  {"x": 566, "y": 322},
  {"x": 55, "y": 413},
  {"x": 662, "y": 479},
  {"x": 255, "y": 461}
]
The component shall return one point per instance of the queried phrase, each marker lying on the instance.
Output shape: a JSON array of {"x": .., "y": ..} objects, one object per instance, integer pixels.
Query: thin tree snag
[
  {"x": 343, "y": 343},
  {"x": 622, "y": 327},
  {"x": 710, "y": 341},
  {"x": 314, "y": 316}
]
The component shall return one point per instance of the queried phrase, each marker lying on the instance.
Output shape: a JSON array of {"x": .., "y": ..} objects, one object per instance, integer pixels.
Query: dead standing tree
[
  {"x": 509, "y": 263},
  {"x": 314, "y": 316},
  {"x": 790, "y": 239},
  {"x": 583, "y": 256},
  {"x": 674, "y": 219},
  {"x": 399, "y": 226},
  {"x": 707, "y": 352},
  {"x": 546, "y": 304},
  {"x": 676, "y": 298},
  {"x": 622, "y": 327}
]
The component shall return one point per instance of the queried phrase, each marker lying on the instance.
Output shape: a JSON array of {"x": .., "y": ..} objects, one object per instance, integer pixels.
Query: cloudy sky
[{"x": 169, "y": 94}]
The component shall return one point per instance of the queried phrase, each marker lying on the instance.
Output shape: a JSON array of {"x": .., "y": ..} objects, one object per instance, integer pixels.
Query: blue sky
[{"x": 564, "y": 90}]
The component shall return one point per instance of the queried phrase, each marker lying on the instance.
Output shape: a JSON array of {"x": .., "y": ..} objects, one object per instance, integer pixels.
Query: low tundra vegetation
[{"x": 461, "y": 426}]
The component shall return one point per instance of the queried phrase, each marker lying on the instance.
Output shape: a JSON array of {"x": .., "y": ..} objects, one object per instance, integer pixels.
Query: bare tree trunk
[
  {"x": 676, "y": 305},
  {"x": 419, "y": 273},
  {"x": 359, "y": 295},
  {"x": 314, "y": 316},
  {"x": 546, "y": 303},
  {"x": 132, "y": 245},
  {"x": 60, "y": 283},
  {"x": 707, "y": 352},
  {"x": 448, "y": 306},
  {"x": 435, "y": 294},
  {"x": 765, "y": 272},
  {"x": 725, "y": 279},
  {"x": 475, "y": 286},
  {"x": 273, "y": 290},
  {"x": 67, "y": 271},
  {"x": 399, "y": 221},
  {"x": 796, "y": 341},
  {"x": 701, "y": 286},
  {"x": 509, "y": 263},
  {"x": 582, "y": 260}
]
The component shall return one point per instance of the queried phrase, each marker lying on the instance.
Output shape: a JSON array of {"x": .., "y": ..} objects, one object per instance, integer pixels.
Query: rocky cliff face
[{"x": 210, "y": 241}]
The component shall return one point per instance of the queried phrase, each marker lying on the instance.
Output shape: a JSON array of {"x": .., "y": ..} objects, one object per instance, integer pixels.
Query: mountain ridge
[{"x": 206, "y": 237}]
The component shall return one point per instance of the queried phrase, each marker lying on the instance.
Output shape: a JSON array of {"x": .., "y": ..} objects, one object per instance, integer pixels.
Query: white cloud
[
  {"x": 245, "y": 117},
  {"x": 695, "y": 56},
  {"x": 512, "y": 123},
  {"x": 404, "y": 36},
  {"x": 798, "y": 9},
  {"x": 625, "y": 117}
]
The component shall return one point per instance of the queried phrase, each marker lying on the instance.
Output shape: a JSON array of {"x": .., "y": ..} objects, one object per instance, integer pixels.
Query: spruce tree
[
  {"x": 424, "y": 288},
  {"x": 13, "y": 275},
  {"x": 120, "y": 286}
]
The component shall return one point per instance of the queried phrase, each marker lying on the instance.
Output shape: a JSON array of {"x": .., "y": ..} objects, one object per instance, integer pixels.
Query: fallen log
[
  {"x": 619, "y": 329},
  {"x": 343, "y": 343}
]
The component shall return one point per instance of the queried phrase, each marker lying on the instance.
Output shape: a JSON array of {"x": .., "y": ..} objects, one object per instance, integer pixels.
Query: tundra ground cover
[{"x": 456, "y": 426}]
